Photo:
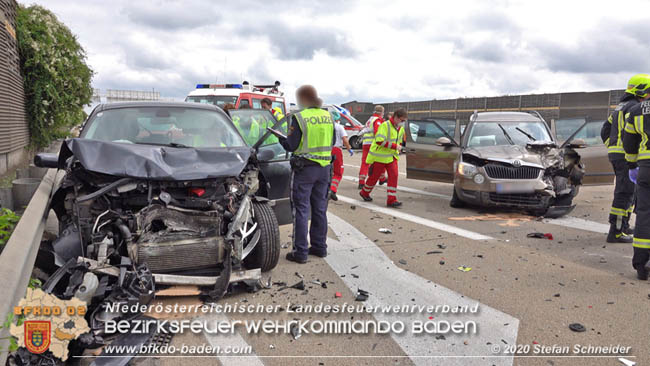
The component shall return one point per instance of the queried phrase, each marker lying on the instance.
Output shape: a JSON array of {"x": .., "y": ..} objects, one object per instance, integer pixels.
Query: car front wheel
[
  {"x": 266, "y": 253},
  {"x": 355, "y": 142},
  {"x": 456, "y": 201}
]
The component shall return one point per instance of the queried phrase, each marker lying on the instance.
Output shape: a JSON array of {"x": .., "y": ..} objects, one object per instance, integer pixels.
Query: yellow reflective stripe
[
  {"x": 618, "y": 212},
  {"x": 616, "y": 149},
  {"x": 629, "y": 128},
  {"x": 641, "y": 243},
  {"x": 607, "y": 142},
  {"x": 632, "y": 158}
]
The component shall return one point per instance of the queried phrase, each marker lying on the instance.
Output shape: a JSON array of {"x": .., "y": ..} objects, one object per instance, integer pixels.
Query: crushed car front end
[{"x": 539, "y": 177}]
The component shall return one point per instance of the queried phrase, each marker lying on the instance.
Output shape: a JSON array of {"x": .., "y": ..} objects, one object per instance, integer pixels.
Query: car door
[
  {"x": 598, "y": 169},
  {"x": 426, "y": 159},
  {"x": 276, "y": 171}
]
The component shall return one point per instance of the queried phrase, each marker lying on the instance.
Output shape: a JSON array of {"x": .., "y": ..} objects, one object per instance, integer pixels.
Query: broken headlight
[{"x": 467, "y": 170}]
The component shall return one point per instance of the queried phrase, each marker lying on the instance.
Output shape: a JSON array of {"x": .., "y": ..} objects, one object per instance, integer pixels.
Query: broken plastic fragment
[
  {"x": 295, "y": 332},
  {"x": 548, "y": 236},
  {"x": 385, "y": 230},
  {"x": 577, "y": 327},
  {"x": 337, "y": 294},
  {"x": 299, "y": 286},
  {"x": 362, "y": 295},
  {"x": 464, "y": 269}
]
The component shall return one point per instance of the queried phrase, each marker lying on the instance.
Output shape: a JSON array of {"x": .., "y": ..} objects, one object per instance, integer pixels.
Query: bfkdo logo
[{"x": 38, "y": 334}]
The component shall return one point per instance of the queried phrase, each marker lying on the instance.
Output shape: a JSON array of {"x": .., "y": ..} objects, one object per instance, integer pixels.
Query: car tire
[
  {"x": 267, "y": 251},
  {"x": 355, "y": 142},
  {"x": 456, "y": 202}
]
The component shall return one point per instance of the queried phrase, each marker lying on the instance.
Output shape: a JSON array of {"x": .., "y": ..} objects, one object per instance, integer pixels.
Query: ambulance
[{"x": 238, "y": 94}]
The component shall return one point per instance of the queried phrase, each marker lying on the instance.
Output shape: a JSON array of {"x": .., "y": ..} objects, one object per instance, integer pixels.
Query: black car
[{"x": 159, "y": 194}]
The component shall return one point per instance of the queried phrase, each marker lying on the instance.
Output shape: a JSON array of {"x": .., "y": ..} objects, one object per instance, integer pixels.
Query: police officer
[
  {"x": 383, "y": 157},
  {"x": 612, "y": 135},
  {"x": 310, "y": 138},
  {"x": 637, "y": 153}
]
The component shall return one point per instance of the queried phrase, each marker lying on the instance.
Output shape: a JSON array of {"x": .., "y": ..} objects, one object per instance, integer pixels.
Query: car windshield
[
  {"x": 212, "y": 99},
  {"x": 507, "y": 133},
  {"x": 174, "y": 126}
]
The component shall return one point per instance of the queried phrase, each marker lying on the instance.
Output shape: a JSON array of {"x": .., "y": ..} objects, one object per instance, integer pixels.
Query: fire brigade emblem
[{"x": 37, "y": 335}]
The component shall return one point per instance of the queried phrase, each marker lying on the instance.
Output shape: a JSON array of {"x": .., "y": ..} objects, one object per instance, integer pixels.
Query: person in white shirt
[{"x": 341, "y": 138}]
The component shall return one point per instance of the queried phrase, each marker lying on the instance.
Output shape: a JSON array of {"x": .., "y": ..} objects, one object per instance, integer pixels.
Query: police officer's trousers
[
  {"x": 642, "y": 226},
  {"x": 309, "y": 190},
  {"x": 622, "y": 205}
]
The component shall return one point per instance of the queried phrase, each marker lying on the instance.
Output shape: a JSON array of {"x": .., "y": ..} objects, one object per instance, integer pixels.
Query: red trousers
[
  {"x": 378, "y": 169},
  {"x": 363, "y": 172},
  {"x": 337, "y": 168}
]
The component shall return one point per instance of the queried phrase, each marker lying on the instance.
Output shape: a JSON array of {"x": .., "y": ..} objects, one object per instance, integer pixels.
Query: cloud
[
  {"x": 301, "y": 42},
  {"x": 170, "y": 15},
  {"x": 371, "y": 50}
]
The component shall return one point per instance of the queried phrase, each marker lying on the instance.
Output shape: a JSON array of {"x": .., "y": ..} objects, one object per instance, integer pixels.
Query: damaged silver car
[
  {"x": 508, "y": 159},
  {"x": 159, "y": 194}
]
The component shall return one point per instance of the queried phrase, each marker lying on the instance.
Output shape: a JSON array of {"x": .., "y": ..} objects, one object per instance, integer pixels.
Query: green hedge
[{"x": 56, "y": 77}]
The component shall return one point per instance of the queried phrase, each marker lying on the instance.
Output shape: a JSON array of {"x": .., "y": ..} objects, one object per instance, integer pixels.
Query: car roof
[
  {"x": 118, "y": 105},
  {"x": 506, "y": 117}
]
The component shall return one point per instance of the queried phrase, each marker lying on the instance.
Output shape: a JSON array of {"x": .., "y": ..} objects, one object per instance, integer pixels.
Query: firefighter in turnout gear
[
  {"x": 383, "y": 156},
  {"x": 368, "y": 136},
  {"x": 612, "y": 134},
  {"x": 637, "y": 153},
  {"x": 310, "y": 138}
]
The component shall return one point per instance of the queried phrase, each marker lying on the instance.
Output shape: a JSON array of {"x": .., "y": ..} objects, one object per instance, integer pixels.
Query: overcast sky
[{"x": 378, "y": 51}]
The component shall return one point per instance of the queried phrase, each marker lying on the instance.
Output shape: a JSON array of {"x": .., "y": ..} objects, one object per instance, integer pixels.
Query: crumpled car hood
[
  {"x": 155, "y": 162},
  {"x": 506, "y": 153}
]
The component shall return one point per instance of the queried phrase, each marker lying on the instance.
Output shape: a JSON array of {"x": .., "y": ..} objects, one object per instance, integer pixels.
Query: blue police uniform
[{"x": 310, "y": 182}]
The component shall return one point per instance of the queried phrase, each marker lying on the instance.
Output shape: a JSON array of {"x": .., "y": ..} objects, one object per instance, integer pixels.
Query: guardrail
[{"x": 18, "y": 257}]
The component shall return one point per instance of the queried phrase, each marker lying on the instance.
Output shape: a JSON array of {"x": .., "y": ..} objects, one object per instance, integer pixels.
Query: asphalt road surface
[{"x": 528, "y": 291}]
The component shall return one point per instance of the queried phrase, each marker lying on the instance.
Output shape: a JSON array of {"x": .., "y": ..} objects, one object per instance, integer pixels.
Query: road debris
[
  {"x": 295, "y": 332},
  {"x": 354, "y": 275},
  {"x": 385, "y": 230},
  {"x": 548, "y": 236},
  {"x": 362, "y": 295},
  {"x": 299, "y": 275},
  {"x": 442, "y": 263},
  {"x": 435, "y": 252},
  {"x": 337, "y": 294},
  {"x": 323, "y": 285},
  {"x": 353, "y": 207},
  {"x": 402, "y": 261},
  {"x": 285, "y": 245},
  {"x": 626, "y": 362},
  {"x": 442, "y": 246},
  {"x": 464, "y": 269},
  {"x": 577, "y": 327}
]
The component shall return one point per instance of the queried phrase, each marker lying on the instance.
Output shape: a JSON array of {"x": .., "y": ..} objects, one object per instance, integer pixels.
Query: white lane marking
[
  {"x": 390, "y": 285},
  {"x": 417, "y": 219},
  {"x": 577, "y": 223},
  {"x": 405, "y": 189},
  {"x": 233, "y": 341},
  {"x": 358, "y": 167}
]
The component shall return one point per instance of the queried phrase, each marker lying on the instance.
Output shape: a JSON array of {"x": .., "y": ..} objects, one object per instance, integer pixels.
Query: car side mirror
[
  {"x": 577, "y": 144},
  {"x": 46, "y": 160},
  {"x": 444, "y": 141},
  {"x": 265, "y": 155}
]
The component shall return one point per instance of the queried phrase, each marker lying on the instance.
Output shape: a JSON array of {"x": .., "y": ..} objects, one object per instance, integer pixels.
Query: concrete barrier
[
  {"x": 23, "y": 189},
  {"x": 17, "y": 259}
]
